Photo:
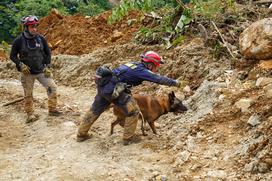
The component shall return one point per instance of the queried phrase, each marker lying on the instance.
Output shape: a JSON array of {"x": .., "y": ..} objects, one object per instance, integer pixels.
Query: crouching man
[{"x": 111, "y": 88}]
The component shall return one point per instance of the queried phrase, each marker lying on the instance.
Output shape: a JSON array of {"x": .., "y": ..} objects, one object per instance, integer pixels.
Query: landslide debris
[
  {"x": 77, "y": 35},
  {"x": 225, "y": 135}
]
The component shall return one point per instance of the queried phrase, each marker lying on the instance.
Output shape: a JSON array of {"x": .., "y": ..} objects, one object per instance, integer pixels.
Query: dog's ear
[{"x": 171, "y": 97}]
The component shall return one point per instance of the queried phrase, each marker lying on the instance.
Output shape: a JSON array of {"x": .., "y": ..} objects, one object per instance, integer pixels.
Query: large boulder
[{"x": 256, "y": 40}]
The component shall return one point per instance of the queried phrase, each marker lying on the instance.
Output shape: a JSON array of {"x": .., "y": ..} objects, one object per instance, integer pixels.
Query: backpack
[{"x": 103, "y": 75}]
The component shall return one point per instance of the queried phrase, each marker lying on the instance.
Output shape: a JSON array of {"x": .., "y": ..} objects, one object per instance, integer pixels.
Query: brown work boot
[
  {"x": 81, "y": 138},
  {"x": 54, "y": 113},
  {"x": 31, "y": 118}
]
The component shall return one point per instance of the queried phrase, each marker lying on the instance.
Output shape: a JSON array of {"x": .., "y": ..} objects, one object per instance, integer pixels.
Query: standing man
[
  {"x": 111, "y": 89},
  {"x": 32, "y": 56}
]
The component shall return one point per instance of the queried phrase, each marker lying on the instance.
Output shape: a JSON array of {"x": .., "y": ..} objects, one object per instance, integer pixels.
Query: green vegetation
[
  {"x": 144, "y": 5},
  {"x": 175, "y": 17},
  {"x": 168, "y": 24},
  {"x": 11, "y": 11}
]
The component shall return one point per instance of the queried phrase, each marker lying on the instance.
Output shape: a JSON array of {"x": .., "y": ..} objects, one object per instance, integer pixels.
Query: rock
[
  {"x": 221, "y": 97},
  {"x": 267, "y": 87},
  {"x": 265, "y": 64},
  {"x": 131, "y": 21},
  {"x": 163, "y": 178},
  {"x": 190, "y": 142},
  {"x": 155, "y": 174},
  {"x": 263, "y": 167},
  {"x": 56, "y": 13},
  {"x": 244, "y": 104},
  {"x": 178, "y": 145},
  {"x": 250, "y": 167},
  {"x": 116, "y": 35},
  {"x": 196, "y": 177},
  {"x": 187, "y": 89},
  {"x": 263, "y": 81},
  {"x": 268, "y": 93},
  {"x": 217, "y": 174},
  {"x": 182, "y": 157},
  {"x": 69, "y": 124},
  {"x": 268, "y": 161},
  {"x": 254, "y": 120},
  {"x": 254, "y": 42},
  {"x": 195, "y": 167}
]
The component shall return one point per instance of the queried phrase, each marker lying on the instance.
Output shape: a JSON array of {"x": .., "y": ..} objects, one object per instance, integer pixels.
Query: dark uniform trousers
[{"x": 125, "y": 101}]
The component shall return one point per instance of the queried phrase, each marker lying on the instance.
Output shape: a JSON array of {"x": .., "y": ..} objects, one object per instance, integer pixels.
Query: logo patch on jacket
[{"x": 131, "y": 65}]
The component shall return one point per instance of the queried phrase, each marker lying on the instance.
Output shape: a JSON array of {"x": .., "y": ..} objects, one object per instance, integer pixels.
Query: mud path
[
  {"x": 207, "y": 143},
  {"x": 212, "y": 141},
  {"x": 47, "y": 150}
]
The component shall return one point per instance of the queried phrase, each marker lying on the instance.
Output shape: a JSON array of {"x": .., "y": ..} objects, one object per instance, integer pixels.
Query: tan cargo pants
[
  {"x": 130, "y": 122},
  {"x": 48, "y": 83}
]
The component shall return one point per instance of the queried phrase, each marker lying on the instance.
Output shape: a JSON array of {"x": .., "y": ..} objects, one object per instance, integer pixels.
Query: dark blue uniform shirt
[{"x": 135, "y": 73}]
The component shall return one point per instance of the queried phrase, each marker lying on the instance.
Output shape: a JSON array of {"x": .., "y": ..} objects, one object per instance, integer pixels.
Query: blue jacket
[{"x": 134, "y": 74}]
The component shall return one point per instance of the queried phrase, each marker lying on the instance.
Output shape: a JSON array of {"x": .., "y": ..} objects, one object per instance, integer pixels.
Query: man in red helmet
[
  {"x": 111, "y": 88},
  {"x": 32, "y": 56}
]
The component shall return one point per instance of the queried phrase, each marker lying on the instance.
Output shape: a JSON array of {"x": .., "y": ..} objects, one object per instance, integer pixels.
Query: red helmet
[
  {"x": 30, "y": 20},
  {"x": 152, "y": 57}
]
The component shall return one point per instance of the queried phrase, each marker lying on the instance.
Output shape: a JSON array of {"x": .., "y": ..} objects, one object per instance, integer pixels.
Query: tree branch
[
  {"x": 263, "y": 2},
  {"x": 223, "y": 40},
  {"x": 14, "y": 101}
]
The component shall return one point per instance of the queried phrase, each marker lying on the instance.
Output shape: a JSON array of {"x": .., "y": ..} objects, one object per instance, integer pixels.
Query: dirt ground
[
  {"x": 212, "y": 141},
  {"x": 47, "y": 150},
  {"x": 77, "y": 35},
  {"x": 225, "y": 134},
  {"x": 3, "y": 56}
]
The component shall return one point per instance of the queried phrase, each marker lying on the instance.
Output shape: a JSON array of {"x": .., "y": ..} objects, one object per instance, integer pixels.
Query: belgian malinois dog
[{"x": 151, "y": 109}]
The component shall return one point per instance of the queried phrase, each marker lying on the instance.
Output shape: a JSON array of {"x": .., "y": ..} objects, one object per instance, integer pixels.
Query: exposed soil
[
  {"x": 76, "y": 35},
  {"x": 3, "y": 56},
  {"x": 214, "y": 140},
  {"x": 204, "y": 143}
]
